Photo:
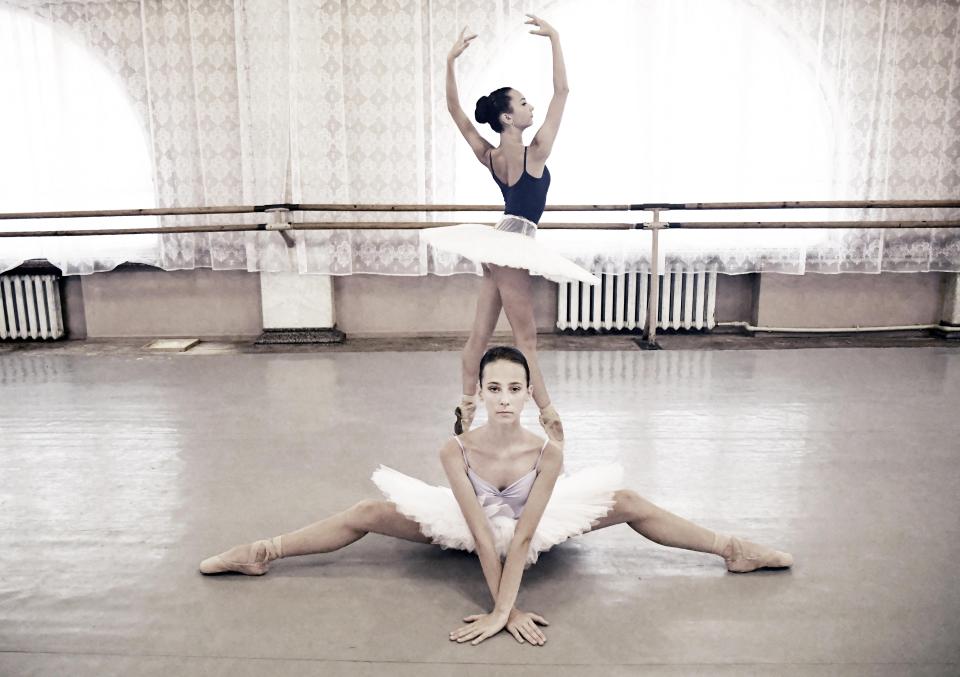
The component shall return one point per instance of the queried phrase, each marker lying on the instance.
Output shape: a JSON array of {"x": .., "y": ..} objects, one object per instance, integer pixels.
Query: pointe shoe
[
  {"x": 465, "y": 413},
  {"x": 743, "y": 556},
  {"x": 550, "y": 420},
  {"x": 261, "y": 554}
]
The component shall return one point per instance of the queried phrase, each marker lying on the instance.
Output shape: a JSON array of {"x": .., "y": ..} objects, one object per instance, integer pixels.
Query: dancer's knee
[
  {"x": 632, "y": 505},
  {"x": 366, "y": 514}
]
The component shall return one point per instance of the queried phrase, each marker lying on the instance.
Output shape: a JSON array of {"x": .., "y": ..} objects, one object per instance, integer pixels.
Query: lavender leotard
[{"x": 513, "y": 498}]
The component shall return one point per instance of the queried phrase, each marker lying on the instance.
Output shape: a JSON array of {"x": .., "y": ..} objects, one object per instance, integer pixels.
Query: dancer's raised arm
[
  {"x": 542, "y": 143},
  {"x": 480, "y": 146}
]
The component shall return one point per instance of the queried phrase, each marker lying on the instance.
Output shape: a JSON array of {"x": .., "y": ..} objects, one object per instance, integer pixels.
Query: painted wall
[
  {"x": 849, "y": 300},
  {"x": 143, "y": 302},
  {"x": 380, "y": 305},
  {"x": 135, "y": 302}
]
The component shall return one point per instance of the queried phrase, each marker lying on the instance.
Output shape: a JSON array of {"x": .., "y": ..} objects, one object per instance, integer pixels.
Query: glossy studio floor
[{"x": 121, "y": 469}]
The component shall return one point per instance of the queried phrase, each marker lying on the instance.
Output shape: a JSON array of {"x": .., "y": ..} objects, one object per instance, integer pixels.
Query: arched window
[{"x": 71, "y": 140}]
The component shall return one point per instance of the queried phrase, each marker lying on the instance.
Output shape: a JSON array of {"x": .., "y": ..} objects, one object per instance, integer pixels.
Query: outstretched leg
[
  {"x": 516, "y": 295},
  {"x": 333, "y": 533},
  {"x": 665, "y": 528},
  {"x": 484, "y": 322}
]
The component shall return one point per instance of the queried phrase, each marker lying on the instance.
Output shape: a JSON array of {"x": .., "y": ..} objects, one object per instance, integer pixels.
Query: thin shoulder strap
[
  {"x": 540, "y": 457},
  {"x": 524, "y": 158},
  {"x": 493, "y": 173},
  {"x": 464, "y": 451}
]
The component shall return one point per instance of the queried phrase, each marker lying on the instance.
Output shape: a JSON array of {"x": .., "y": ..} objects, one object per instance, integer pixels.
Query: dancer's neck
[
  {"x": 503, "y": 435},
  {"x": 511, "y": 137}
]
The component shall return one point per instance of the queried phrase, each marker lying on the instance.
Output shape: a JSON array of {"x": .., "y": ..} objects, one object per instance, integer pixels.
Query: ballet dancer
[
  {"x": 508, "y": 252},
  {"x": 508, "y": 501}
]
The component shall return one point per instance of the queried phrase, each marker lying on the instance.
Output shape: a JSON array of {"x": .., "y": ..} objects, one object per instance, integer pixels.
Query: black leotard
[{"x": 528, "y": 196}]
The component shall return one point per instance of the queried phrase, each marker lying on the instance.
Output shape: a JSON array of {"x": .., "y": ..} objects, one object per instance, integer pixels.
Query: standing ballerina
[{"x": 508, "y": 252}]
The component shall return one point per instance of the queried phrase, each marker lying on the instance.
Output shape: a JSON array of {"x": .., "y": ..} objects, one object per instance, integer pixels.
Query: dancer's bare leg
[
  {"x": 342, "y": 529},
  {"x": 516, "y": 295},
  {"x": 333, "y": 533},
  {"x": 665, "y": 528},
  {"x": 484, "y": 322}
]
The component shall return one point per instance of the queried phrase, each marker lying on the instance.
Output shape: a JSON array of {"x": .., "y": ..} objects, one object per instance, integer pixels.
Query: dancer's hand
[
  {"x": 523, "y": 626},
  {"x": 481, "y": 626},
  {"x": 461, "y": 44},
  {"x": 543, "y": 28}
]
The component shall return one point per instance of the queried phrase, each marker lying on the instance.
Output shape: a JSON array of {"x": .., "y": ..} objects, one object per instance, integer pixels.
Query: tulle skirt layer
[
  {"x": 578, "y": 501},
  {"x": 510, "y": 243}
]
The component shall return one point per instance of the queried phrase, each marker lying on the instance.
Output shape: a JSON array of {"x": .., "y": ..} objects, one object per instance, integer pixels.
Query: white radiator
[
  {"x": 30, "y": 307},
  {"x": 687, "y": 301}
]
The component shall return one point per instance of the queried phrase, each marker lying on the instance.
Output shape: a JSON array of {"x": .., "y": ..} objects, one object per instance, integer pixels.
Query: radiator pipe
[{"x": 835, "y": 330}]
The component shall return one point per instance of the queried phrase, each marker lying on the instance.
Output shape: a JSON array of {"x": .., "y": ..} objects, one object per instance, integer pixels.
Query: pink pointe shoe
[
  {"x": 257, "y": 556},
  {"x": 550, "y": 420},
  {"x": 743, "y": 556}
]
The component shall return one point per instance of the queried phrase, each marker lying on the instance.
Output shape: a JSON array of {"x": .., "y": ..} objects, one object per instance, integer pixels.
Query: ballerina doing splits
[
  {"x": 507, "y": 501},
  {"x": 508, "y": 252}
]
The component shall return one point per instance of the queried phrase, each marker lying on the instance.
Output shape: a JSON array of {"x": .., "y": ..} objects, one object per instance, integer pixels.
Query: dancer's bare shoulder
[
  {"x": 552, "y": 456},
  {"x": 449, "y": 449}
]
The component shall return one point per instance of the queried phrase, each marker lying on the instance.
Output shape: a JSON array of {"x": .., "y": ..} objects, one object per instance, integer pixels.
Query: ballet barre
[
  {"x": 421, "y": 225},
  {"x": 345, "y": 207},
  {"x": 279, "y": 222}
]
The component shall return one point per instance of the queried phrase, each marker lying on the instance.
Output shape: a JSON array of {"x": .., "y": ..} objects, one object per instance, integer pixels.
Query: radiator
[
  {"x": 687, "y": 301},
  {"x": 30, "y": 307}
]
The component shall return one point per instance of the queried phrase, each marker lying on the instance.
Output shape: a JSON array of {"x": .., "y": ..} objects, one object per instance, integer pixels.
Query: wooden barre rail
[
  {"x": 813, "y": 224},
  {"x": 418, "y": 225},
  {"x": 333, "y": 207},
  {"x": 279, "y": 213}
]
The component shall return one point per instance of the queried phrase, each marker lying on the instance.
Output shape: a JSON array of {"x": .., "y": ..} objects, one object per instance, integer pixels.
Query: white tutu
[
  {"x": 578, "y": 500},
  {"x": 510, "y": 243}
]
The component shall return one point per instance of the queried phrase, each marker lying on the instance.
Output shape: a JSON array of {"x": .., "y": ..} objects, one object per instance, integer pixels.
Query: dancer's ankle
[{"x": 721, "y": 543}]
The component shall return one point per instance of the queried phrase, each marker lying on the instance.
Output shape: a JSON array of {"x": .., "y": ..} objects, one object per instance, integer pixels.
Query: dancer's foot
[
  {"x": 743, "y": 556},
  {"x": 550, "y": 420},
  {"x": 465, "y": 413},
  {"x": 252, "y": 559}
]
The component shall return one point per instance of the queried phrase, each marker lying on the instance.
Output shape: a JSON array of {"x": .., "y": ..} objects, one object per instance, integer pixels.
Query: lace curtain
[{"x": 259, "y": 101}]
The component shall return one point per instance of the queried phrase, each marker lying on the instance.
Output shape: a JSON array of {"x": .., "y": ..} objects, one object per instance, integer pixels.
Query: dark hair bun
[{"x": 483, "y": 112}]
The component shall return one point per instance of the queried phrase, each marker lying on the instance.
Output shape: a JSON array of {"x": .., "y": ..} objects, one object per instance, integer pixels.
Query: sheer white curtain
[
  {"x": 258, "y": 101},
  {"x": 70, "y": 141}
]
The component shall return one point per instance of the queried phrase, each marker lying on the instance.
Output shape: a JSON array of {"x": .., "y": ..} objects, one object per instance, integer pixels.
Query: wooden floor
[{"x": 120, "y": 469}]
